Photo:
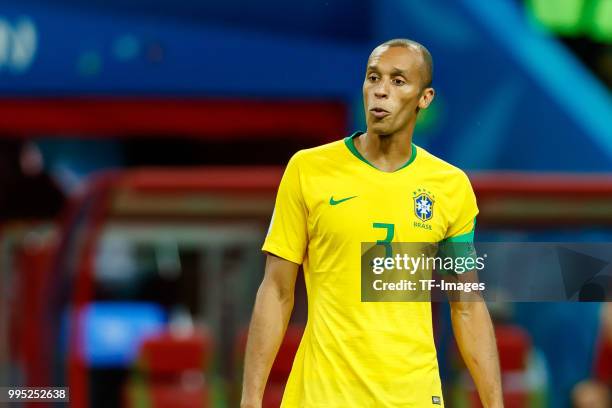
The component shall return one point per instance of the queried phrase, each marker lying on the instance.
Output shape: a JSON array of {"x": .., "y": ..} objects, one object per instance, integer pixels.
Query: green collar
[{"x": 350, "y": 144}]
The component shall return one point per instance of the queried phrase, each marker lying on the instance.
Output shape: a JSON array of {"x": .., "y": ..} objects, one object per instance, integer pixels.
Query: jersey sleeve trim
[
  {"x": 467, "y": 237},
  {"x": 282, "y": 252}
]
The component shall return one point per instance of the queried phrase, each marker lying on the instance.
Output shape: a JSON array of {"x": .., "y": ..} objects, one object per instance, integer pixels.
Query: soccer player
[{"x": 369, "y": 187}]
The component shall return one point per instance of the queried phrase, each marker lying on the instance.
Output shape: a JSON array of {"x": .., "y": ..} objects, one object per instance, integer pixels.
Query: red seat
[
  {"x": 178, "y": 396},
  {"x": 514, "y": 345},
  {"x": 172, "y": 371},
  {"x": 168, "y": 354}
]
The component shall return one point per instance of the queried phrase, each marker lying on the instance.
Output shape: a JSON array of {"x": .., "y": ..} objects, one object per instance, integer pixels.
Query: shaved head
[
  {"x": 397, "y": 85},
  {"x": 426, "y": 60}
]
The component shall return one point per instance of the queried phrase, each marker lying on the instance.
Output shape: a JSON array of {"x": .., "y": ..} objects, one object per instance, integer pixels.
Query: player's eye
[
  {"x": 398, "y": 81},
  {"x": 372, "y": 77}
]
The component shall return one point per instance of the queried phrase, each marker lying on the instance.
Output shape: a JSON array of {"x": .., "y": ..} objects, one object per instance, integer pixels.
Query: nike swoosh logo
[{"x": 336, "y": 202}]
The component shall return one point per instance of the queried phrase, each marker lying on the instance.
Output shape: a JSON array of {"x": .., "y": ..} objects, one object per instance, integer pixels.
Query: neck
[{"x": 387, "y": 152}]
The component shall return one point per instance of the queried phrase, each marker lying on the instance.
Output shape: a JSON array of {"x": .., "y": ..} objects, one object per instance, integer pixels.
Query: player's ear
[{"x": 427, "y": 97}]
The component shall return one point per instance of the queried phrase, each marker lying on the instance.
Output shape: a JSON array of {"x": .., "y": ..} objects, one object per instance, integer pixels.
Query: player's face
[{"x": 393, "y": 89}]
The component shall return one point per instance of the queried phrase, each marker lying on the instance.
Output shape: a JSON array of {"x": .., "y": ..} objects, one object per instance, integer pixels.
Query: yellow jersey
[{"x": 358, "y": 354}]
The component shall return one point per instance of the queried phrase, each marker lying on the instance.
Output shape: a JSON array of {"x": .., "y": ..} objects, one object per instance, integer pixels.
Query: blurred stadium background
[{"x": 141, "y": 143}]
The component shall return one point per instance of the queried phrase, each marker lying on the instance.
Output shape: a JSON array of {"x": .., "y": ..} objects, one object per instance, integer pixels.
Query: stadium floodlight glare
[{"x": 560, "y": 16}]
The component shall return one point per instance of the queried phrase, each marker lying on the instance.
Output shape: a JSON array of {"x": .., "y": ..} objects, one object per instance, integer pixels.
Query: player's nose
[{"x": 381, "y": 90}]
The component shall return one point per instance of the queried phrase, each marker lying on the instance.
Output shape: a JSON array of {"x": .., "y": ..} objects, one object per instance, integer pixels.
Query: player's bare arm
[
  {"x": 476, "y": 341},
  {"x": 271, "y": 314}
]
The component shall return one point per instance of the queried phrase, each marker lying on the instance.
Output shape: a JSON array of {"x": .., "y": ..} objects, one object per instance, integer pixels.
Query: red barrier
[{"x": 199, "y": 118}]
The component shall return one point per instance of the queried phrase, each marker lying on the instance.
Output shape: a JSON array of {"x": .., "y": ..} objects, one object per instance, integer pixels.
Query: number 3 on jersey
[{"x": 390, "y": 232}]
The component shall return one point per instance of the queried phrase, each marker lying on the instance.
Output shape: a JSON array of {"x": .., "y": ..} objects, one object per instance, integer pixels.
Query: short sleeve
[
  {"x": 287, "y": 235},
  {"x": 463, "y": 213},
  {"x": 459, "y": 241}
]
